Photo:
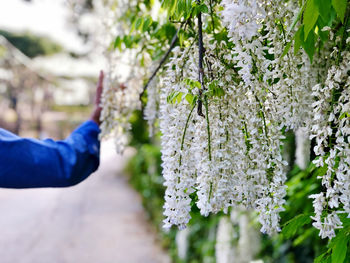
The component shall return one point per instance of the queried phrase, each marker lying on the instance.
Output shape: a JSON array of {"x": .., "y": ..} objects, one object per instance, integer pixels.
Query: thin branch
[
  {"x": 200, "y": 64},
  {"x": 172, "y": 45},
  {"x": 201, "y": 81},
  {"x": 208, "y": 124},
  {"x": 184, "y": 133}
]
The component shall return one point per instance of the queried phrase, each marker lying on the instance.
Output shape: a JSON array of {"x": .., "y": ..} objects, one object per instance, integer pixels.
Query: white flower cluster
[
  {"x": 230, "y": 157},
  {"x": 152, "y": 106},
  {"x": 178, "y": 164},
  {"x": 118, "y": 100},
  {"x": 233, "y": 155},
  {"x": 331, "y": 130},
  {"x": 242, "y": 17}
]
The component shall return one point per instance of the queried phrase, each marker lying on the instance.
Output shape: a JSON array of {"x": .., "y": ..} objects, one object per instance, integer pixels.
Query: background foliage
[{"x": 32, "y": 45}]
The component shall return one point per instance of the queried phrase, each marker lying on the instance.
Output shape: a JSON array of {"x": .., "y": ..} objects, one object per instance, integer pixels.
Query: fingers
[
  {"x": 99, "y": 88},
  {"x": 100, "y": 80}
]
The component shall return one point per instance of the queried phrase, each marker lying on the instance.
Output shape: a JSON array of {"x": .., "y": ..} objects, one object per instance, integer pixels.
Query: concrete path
[{"x": 98, "y": 221}]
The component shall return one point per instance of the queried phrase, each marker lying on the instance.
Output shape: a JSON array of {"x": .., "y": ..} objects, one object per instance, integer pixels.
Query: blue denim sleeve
[{"x": 28, "y": 163}]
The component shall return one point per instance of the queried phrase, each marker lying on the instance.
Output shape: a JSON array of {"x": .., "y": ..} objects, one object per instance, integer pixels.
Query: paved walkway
[{"x": 98, "y": 221}]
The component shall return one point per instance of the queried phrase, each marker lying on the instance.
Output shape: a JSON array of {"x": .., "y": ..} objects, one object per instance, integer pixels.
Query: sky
[{"x": 44, "y": 17}]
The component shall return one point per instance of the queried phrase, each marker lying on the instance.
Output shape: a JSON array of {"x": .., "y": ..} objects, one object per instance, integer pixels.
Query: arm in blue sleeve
[{"x": 27, "y": 163}]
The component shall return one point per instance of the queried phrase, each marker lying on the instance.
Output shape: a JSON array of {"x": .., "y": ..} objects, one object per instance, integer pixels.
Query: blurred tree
[
  {"x": 27, "y": 90},
  {"x": 32, "y": 45}
]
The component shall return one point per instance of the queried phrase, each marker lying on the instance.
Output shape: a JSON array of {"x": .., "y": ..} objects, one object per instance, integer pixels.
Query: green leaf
[
  {"x": 188, "y": 9},
  {"x": 324, "y": 8},
  {"x": 298, "y": 39},
  {"x": 297, "y": 18},
  {"x": 215, "y": 90},
  {"x": 146, "y": 24},
  {"x": 180, "y": 9},
  {"x": 181, "y": 36},
  {"x": 344, "y": 115},
  {"x": 321, "y": 171},
  {"x": 303, "y": 236},
  {"x": 192, "y": 83},
  {"x": 290, "y": 228},
  {"x": 169, "y": 5},
  {"x": 175, "y": 97},
  {"x": 309, "y": 45},
  {"x": 172, "y": 6},
  {"x": 346, "y": 223},
  {"x": 340, "y": 8},
  {"x": 339, "y": 250},
  {"x": 286, "y": 49},
  {"x": 138, "y": 23},
  {"x": 118, "y": 42},
  {"x": 310, "y": 17},
  {"x": 204, "y": 9},
  {"x": 324, "y": 35},
  {"x": 191, "y": 99},
  {"x": 323, "y": 258}
]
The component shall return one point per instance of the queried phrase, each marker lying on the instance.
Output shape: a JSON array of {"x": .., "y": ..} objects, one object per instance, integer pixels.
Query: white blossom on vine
[
  {"x": 119, "y": 100},
  {"x": 221, "y": 136},
  {"x": 151, "y": 109},
  {"x": 331, "y": 110}
]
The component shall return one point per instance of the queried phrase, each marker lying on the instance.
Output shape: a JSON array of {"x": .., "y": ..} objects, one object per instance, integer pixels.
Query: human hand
[{"x": 95, "y": 116}]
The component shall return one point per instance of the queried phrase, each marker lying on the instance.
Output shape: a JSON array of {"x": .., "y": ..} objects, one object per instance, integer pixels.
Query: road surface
[{"x": 98, "y": 221}]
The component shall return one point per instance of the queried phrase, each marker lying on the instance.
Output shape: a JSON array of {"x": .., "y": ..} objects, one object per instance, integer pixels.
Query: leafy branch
[{"x": 162, "y": 61}]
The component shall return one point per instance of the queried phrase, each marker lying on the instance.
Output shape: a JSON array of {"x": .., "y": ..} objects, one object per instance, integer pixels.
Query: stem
[
  {"x": 172, "y": 45},
  {"x": 201, "y": 79},
  {"x": 185, "y": 61},
  {"x": 212, "y": 15},
  {"x": 185, "y": 130},
  {"x": 200, "y": 63},
  {"x": 264, "y": 120},
  {"x": 344, "y": 35},
  {"x": 334, "y": 93},
  {"x": 208, "y": 125}
]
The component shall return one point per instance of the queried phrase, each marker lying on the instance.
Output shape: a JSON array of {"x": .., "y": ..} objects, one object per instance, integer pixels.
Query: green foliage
[
  {"x": 313, "y": 16},
  {"x": 145, "y": 175},
  {"x": 299, "y": 241},
  {"x": 192, "y": 83},
  {"x": 32, "y": 45},
  {"x": 178, "y": 96},
  {"x": 338, "y": 251},
  {"x": 340, "y": 8},
  {"x": 175, "y": 97},
  {"x": 286, "y": 49},
  {"x": 290, "y": 228},
  {"x": 310, "y": 17},
  {"x": 182, "y": 10},
  {"x": 139, "y": 130},
  {"x": 324, "y": 8},
  {"x": 214, "y": 90}
]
